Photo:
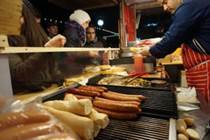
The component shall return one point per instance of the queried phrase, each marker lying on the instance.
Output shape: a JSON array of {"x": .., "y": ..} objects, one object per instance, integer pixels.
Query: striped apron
[{"x": 197, "y": 67}]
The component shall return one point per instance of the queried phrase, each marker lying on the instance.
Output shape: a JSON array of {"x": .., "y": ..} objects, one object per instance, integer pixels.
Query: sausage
[
  {"x": 16, "y": 118},
  {"x": 116, "y": 106},
  {"x": 141, "y": 97},
  {"x": 114, "y": 101},
  {"x": 82, "y": 96},
  {"x": 118, "y": 115},
  {"x": 84, "y": 92},
  {"x": 28, "y": 131},
  {"x": 91, "y": 88},
  {"x": 113, "y": 96}
]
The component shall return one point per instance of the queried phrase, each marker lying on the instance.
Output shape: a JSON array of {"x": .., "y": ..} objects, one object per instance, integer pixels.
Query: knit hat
[{"x": 80, "y": 16}]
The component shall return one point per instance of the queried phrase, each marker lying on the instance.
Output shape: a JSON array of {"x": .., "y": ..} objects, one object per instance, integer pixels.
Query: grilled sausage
[
  {"x": 116, "y": 106},
  {"x": 112, "y": 96},
  {"x": 114, "y": 101},
  {"x": 13, "y": 119},
  {"x": 141, "y": 97},
  {"x": 28, "y": 131},
  {"x": 118, "y": 115},
  {"x": 91, "y": 88},
  {"x": 84, "y": 92}
]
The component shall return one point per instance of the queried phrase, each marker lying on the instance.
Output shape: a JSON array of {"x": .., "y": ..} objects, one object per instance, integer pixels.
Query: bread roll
[
  {"x": 81, "y": 107},
  {"x": 181, "y": 126},
  {"x": 100, "y": 119},
  {"x": 83, "y": 126},
  {"x": 70, "y": 97}
]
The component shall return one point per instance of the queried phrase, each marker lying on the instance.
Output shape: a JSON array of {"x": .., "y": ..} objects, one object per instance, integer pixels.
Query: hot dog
[
  {"x": 84, "y": 92},
  {"x": 28, "y": 131},
  {"x": 114, "y": 101},
  {"x": 13, "y": 119},
  {"x": 141, "y": 97},
  {"x": 118, "y": 115},
  {"x": 112, "y": 96},
  {"x": 91, "y": 88},
  {"x": 116, "y": 106}
]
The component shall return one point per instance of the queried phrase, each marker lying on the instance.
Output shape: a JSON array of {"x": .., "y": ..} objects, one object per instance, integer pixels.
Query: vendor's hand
[
  {"x": 145, "y": 51},
  {"x": 56, "y": 41}
]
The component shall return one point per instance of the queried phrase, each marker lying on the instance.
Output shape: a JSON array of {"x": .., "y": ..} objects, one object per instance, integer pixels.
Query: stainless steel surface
[{"x": 172, "y": 129}]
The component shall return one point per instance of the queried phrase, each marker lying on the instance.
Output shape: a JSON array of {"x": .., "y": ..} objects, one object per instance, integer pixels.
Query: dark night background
[{"x": 154, "y": 22}]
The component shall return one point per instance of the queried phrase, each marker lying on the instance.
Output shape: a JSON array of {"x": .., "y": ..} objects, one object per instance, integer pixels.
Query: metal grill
[
  {"x": 145, "y": 128},
  {"x": 96, "y": 79},
  {"x": 159, "y": 103}
]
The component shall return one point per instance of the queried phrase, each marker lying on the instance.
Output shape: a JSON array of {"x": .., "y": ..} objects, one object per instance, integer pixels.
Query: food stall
[{"x": 103, "y": 102}]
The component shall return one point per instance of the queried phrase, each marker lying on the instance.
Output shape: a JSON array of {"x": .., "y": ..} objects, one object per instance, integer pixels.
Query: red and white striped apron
[{"x": 197, "y": 67}]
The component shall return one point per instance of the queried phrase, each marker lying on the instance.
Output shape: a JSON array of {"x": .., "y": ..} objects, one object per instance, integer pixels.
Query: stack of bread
[
  {"x": 78, "y": 115},
  {"x": 185, "y": 129},
  {"x": 115, "y": 105}
]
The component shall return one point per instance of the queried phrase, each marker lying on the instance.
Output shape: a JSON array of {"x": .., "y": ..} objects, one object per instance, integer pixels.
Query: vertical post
[
  {"x": 134, "y": 12},
  {"x": 5, "y": 78},
  {"x": 122, "y": 25}
]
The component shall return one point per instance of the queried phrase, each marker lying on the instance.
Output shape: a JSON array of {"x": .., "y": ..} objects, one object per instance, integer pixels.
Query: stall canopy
[
  {"x": 84, "y": 4},
  {"x": 144, "y": 4}
]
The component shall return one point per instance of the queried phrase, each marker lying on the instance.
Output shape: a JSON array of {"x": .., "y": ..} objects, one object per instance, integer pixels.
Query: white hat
[{"x": 80, "y": 16}]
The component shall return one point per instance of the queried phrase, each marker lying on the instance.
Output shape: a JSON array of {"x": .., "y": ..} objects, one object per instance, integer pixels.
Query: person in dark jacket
[
  {"x": 75, "y": 28},
  {"x": 191, "y": 29},
  {"x": 92, "y": 40}
]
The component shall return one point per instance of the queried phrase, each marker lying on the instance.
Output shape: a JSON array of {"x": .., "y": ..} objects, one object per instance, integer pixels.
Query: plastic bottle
[{"x": 138, "y": 64}]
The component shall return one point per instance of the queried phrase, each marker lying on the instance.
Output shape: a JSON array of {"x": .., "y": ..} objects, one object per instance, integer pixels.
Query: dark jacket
[
  {"x": 97, "y": 43},
  {"x": 32, "y": 71},
  {"x": 191, "y": 25},
  {"x": 75, "y": 34}
]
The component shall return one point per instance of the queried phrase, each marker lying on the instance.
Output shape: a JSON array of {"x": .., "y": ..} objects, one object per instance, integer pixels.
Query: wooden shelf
[{"x": 11, "y": 50}]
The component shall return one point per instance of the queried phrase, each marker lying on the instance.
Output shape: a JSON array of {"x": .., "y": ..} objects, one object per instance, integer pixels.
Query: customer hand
[{"x": 56, "y": 41}]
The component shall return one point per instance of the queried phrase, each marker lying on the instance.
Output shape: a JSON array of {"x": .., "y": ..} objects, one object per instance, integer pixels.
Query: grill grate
[
  {"x": 145, "y": 128},
  {"x": 159, "y": 103}
]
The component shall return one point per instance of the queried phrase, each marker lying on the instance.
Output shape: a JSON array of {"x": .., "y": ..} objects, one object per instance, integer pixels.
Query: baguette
[
  {"x": 83, "y": 126},
  {"x": 16, "y": 118},
  {"x": 116, "y": 106},
  {"x": 70, "y": 97},
  {"x": 117, "y": 115},
  {"x": 100, "y": 119},
  {"x": 81, "y": 107}
]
